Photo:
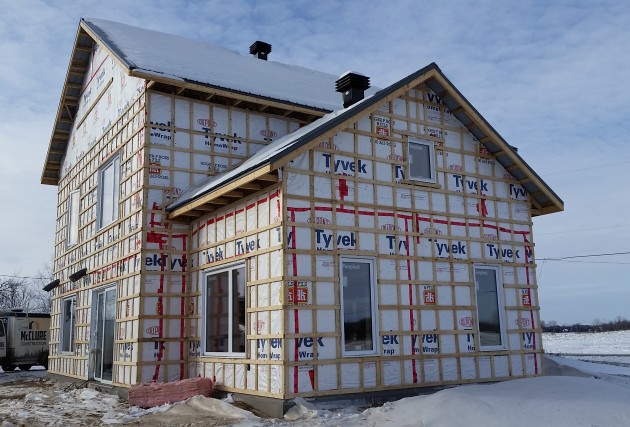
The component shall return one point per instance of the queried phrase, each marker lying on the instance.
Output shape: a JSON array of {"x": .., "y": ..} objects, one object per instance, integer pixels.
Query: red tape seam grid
[{"x": 531, "y": 312}]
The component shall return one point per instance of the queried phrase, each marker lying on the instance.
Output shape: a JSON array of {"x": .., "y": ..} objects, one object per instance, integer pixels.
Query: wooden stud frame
[{"x": 424, "y": 238}]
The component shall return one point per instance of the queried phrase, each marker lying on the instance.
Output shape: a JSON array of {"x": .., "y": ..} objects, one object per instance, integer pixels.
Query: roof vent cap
[
  {"x": 260, "y": 49},
  {"x": 352, "y": 85}
]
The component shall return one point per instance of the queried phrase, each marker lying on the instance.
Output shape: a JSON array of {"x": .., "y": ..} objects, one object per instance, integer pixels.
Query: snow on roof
[{"x": 196, "y": 61}]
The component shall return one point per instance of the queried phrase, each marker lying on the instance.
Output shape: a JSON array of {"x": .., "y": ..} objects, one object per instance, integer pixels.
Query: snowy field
[{"x": 575, "y": 392}]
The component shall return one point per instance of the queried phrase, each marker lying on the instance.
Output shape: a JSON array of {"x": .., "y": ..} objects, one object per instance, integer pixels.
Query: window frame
[
  {"x": 431, "y": 145},
  {"x": 115, "y": 163},
  {"x": 73, "y": 213},
  {"x": 205, "y": 291},
  {"x": 373, "y": 306},
  {"x": 62, "y": 332},
  {"x": 500, "y": 306}
]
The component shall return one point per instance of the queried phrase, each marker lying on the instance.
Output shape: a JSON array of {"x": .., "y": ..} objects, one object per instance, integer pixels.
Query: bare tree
[{"x": 26, "y": 293}]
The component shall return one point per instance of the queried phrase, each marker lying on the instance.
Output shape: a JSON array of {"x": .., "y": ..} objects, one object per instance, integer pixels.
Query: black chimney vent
[
  {"x": 352, "y": 85},
  {"x": 260, "y": 49}
]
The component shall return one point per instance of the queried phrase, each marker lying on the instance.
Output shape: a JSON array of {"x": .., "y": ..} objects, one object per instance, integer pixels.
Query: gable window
[
  {"x": 421, "y": 160},
  {"x": 73, "y": 218},
  {"x": 68, "y": 311},
  {"x": 225, "y": 311},
  {"x": 109, "y": 183},
  {"x": 358, "y": 318},
  {"x": 489, "y": 295}
]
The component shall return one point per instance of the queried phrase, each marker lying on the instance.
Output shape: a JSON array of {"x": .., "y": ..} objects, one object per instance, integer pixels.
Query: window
[
  {"x": 109, "y": 181},
  {"x": 357, "y": 306},
  {"x": 68, "y": 309},
  {"x": 225, "y": 311},
  {"x": 421, "y": 160},
  {"x": 488, "y": 290},
  {"x": 73, "y": 218}
]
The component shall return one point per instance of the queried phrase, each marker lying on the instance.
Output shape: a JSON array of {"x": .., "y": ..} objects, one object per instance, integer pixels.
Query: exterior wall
[
  {"x": 350, "y": 196},
  {"x": 188, "y": 140},
  {"x": 165, "y": 144},
  {"x": 109, "y": 122},
  {"x": 248, "y": 231}
]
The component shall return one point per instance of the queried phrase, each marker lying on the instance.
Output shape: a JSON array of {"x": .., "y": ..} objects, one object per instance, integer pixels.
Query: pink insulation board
[{"x": 156, "y": 394}]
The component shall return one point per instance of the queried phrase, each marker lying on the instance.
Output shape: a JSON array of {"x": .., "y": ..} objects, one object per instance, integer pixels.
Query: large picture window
[
  {"x": 68, "y": 310},
  {"x": 225, "y": 311},
  {"x": 488, "y": 290},
  {"x": 73, "y": 218},
  {"x": 357, "y": 306},
  {"x": 421, "y": 160},
  {"x": 109, "y": 183}
]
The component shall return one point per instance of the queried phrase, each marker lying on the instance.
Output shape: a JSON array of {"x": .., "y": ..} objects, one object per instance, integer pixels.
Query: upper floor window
[
  {"x": 73, "y": 218},
  {"x": 109, "y": 184},
  {"x": 225, "y": 311},
  {"x": 421, "y": 160}
]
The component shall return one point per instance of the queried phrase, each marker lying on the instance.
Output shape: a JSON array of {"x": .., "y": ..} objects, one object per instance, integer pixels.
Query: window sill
[
  {"x": 418, "y": 183},
  {"x": 224, "y": 355}
]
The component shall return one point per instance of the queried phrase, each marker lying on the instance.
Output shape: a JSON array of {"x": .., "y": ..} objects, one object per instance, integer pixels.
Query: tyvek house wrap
[{"x": 190, "y": 60}]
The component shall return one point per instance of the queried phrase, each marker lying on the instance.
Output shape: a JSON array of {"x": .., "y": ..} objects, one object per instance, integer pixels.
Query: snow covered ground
[{"x": 574, "y": 393}]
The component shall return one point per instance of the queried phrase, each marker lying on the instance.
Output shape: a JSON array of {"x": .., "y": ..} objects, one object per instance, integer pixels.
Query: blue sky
[{"x": 553, "y": 78}]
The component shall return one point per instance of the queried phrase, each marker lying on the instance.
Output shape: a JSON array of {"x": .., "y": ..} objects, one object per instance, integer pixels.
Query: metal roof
[{"x": 182, "y": 62}]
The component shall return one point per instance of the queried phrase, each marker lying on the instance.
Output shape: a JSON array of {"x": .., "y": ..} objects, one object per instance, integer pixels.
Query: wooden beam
[
  {"x": 234, "y": 194},
  {"x": 443, "y": 94},
  {"x": 221, "y": 192},
  {"x": 268, "y": 177},
  {"x": 205, "y": 208},
  {"x": 535, "y": 203},
  {"x": 222, "y": 201},
  {"x": 83, "y": 48},
  {"x": 251, "y": 186}
]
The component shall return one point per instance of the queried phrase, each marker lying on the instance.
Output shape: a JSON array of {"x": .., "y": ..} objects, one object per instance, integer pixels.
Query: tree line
[{"x": 619, "y": 324}]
